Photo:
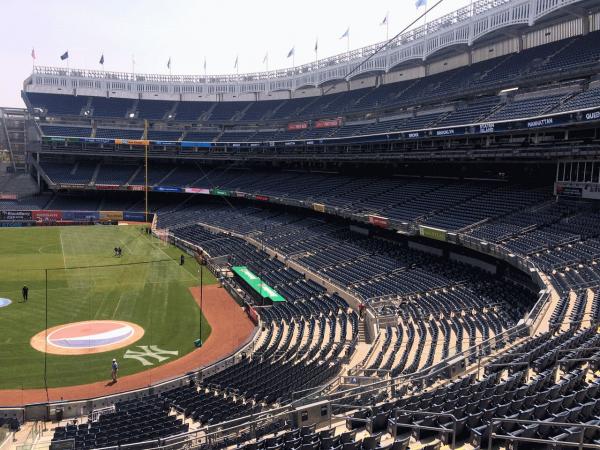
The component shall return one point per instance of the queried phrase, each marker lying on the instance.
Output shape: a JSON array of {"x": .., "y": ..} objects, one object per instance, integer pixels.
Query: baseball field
[{"x": 87, "y": 306}]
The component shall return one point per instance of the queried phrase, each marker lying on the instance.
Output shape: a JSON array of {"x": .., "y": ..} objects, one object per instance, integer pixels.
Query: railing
[{"x": 548, "y": 443}]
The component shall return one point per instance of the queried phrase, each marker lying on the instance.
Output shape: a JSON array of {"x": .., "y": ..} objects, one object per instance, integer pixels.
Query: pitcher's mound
[{"x": 84, "y": 338}]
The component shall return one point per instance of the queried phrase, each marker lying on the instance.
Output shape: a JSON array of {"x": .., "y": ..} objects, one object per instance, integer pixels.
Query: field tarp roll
[{"x": 259, "y": 286}]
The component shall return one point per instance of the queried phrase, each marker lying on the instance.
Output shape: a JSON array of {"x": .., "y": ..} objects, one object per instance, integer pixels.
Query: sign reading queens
[{"x": 83, "y": 338}]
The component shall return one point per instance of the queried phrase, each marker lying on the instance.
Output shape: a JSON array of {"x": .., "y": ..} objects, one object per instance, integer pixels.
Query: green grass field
[{"x": 153, "y": 294}]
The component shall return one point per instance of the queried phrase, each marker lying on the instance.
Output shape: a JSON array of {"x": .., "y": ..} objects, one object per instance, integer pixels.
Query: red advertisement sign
[
  {"x": 252, "y": 314},
  {"x": 192, "y": 190},
  {"x": 135, "y": 187},
  {"x": 107, "y": 187},
  {"x": 8, "y": 196},
  {"x": 380, "y": 222},
  {"x": 328, "y": 123},
  {"x": 49, "y": 215},
  {"x": 297, "y": 126},
  {"x": 262, "y": 198}
]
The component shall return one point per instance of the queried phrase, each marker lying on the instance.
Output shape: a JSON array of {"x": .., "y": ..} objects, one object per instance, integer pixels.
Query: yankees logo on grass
[
  {"x": 149, "y": 352},
  {"x": 80, "y": 338}
]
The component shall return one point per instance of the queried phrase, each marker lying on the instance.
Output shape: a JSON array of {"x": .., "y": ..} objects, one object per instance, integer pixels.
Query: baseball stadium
[{"x": 392, "y": 247}]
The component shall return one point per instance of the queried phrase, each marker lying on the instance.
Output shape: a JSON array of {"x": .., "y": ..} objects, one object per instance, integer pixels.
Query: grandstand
[{"x": 425, "y": 213}]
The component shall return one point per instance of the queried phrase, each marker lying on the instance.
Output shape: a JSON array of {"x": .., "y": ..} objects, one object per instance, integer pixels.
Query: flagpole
[
  {"x": 387, "y": 28},
  {"x": 348, "y": 44}
]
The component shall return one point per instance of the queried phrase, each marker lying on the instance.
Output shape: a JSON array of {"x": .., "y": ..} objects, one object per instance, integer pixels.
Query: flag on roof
[
  {"x": 346, "y": 33},
  {"x": 169, "y": 63},
  {"x": 291, "y": 52},
  {"x": 419, "y": 3},
  {"x": 65, "y": 55},
  {"x": 236, "y": 62},
  {"x": 102, "y": 59},
  {"x": 266, "y": 58},
  {"x": 316, "y": 44},
  {"x": 33, "y": 53},
  {"x": 385, "y": 19}
]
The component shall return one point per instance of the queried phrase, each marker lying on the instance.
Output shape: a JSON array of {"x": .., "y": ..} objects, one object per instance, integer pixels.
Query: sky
[{"x": 187, "y": 31}]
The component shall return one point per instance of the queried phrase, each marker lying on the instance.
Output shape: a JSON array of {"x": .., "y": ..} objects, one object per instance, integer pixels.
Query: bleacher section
[{"x": 406, "y": 99}]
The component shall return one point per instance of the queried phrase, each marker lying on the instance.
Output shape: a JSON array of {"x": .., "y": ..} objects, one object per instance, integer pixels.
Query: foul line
[{"x": 62, "y": 247}]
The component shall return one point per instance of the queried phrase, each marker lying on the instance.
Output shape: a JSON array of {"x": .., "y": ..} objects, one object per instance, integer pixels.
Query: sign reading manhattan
[{"x": 263, "y": 289}]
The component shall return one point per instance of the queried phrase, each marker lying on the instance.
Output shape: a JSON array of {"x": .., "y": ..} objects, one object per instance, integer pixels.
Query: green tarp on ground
[{"x": 262, "y": 288}]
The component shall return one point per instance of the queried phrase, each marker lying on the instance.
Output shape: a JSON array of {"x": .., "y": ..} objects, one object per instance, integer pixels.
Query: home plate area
[{"x": 88, "y": 337}]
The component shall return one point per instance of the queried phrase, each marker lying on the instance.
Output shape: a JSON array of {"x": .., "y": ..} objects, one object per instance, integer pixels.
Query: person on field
[
  {"x": 115, "y": 370},
  {"x": 25, "y": 291},
  {"x": 115, "y": 250},
  {"x": 181, "y": 260}
]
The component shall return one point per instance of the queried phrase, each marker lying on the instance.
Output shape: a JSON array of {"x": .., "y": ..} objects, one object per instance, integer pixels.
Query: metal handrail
[{"x": 497, "y": 421}]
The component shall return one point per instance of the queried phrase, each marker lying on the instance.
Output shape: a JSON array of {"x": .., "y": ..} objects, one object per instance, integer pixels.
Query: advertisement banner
[
  {"x": 485, "y": 128},
  {"x": 252, "y": 314},
  {"x": 49, "y": 215},
  {"x": 111, "y": 216},
  {"x": 262, "y": 198},
  {"x": 328, "y": 123},
  {"x": 96, "y": 140},
  {"x": 239, "y": 194},
  {"x": 412, "y": 135},
  {"x": 15, "y": 215},
  {"x": 107, "y": 187},
  {"x": 167, "y": 189},
  {"x": 132, "y": 141},
  {"x": 318, "y": 207},
  {"x": 297, "y": 126},
  {"x": 166, "y": 143},
  {"x": 7, "y": 196},
  {"x": 449, "y": 131},
  {"x": 570, "y": 190},
  {"x": 134, "y": 216},
  {"x": 220, "y": 192},
  {"x": 538, "y": 123},
  {"x": 135, "y": 187},
  {"x": 592, "y": 115},
  {"x": 79, "y": 216},
  {"x": 192, "y": 190},
  {"x": 195, "y": 144},
  {"x": 378, "y": 221},
  {"x": 71, "y": 186},
  {"x": 591, "y": 191},
  {"x": 433, "y": 233}
]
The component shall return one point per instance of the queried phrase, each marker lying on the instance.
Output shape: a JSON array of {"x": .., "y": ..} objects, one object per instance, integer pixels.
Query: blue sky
[{"x": 187, "y": 31}]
